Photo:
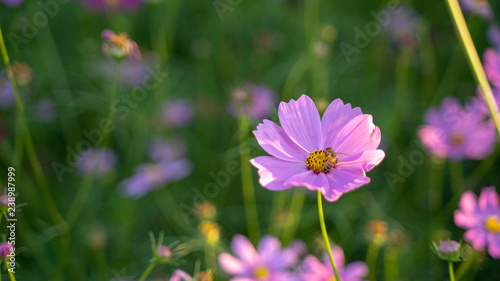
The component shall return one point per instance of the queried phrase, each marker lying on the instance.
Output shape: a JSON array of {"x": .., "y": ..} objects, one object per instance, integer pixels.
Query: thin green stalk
[
  {"x": 277, "y": 205},
  {"x": 391, "y": 263},
  {"x": 30, "y": 149},
  {"x": 114, "y": 96},
  {"x": 325, "y": 234},
  {"x": 293, "y": 218},
  {"x": 147, "y": 271},
  {"x": 252, "y": 216},
  {"x": 473, "y": 58},
  {"x": 450, "y": 269},
  {"x": 371, "y": 259},
  {"x": 11, "y": 275}
]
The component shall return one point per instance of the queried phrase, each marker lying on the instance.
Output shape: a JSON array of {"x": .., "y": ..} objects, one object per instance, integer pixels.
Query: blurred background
[{"x": 392, "y": 61}]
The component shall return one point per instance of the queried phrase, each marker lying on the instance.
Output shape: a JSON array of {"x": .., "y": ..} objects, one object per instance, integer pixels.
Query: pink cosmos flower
[
  {"x": 300, "y": 154},
  {"x": 491, "y": 63},
  {"x": 315, "y": 270},
  {"x": 119, "y": 46},
  {"x": 268, "y": 263},
  {"x": 5, "y": 250},
  {"x": 176, "y": 113},
  {"x": 457, "y": 133},
  {"x": 254, "y": 101},
  {"x": 481, "y": 218},
  {"x": 480, "y": 7},
  {"x": 180, "y": 275}
]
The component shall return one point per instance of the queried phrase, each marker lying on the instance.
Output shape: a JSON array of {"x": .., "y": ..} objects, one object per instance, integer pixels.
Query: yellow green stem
[
  {"x": 450, "y": 269},
  {"x": 325, "y": 234},
  {"x": 30, "y": 148},
  {"x": 147, "y": 271},
  {"x": 473, "y": 58},
  {"x": 11, "y": 275}
]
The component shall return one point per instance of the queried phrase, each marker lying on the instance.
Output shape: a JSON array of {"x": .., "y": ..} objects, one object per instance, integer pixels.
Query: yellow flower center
[
  {"x": 492, "y": 224},
  {"x": 261, "y": 272},
  {"x": 121, "y": 41},
  {"x": 457, "y": 139},
  {"x": 331, "y": 279},
  {"x": 321, "y": 160}
]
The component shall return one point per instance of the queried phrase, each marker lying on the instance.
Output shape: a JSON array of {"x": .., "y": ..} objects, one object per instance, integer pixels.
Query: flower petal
[
  {"x": 338, "y": 257},
  {"x": 488, "y": 199},
  {"x": 273, "y": 139},
  {"x": 356, "y": 135},
  {"x": 310, "y": 180},
  {"x": 341, "y": 181},
  {"x": 494, "y": 247},
  {"x": 476, "y": 237},
  {"x": 356, "y": 271},
  {"x": 365, "y": 160},
  {"x": 274, "y": 172},
  {"x": 301, "y": 122},
  {"x": 243, "y": 249},
  {"x": 336, "y": 116},
  {"x": 268, "y": 247},
  {"x": 464, "y": 220},
  {"x": 230, "y": 264},
  {"x": 468, "y": 202}
]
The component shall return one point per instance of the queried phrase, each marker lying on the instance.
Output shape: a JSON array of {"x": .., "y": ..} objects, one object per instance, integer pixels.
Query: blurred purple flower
[
  {"x": 97, "y": 161},
  {"x": 12, "y": 3},
  {"x": 7, "y": 96},
  {"x": 299, "y": 150},
  {"x": 479, "y": 101},
  {"x": 252, "y": 100},
  {"x": 119, "y": 46},
  {"x": 481, "y": 219},
  {"x": 480, "y": 7},
  {"x": 402, "y": 27},
  {"x": 176, "y": 113},
  {"x": 4, "y": 201},
  {"x": 104, "y": 6},
  {"x": 268, "y": 263},
  {"x": 4, "y": 250},
  {"x": 315, "y": 270},
  {"x": 151, "y": 176},
  {"x": 449, "y": 247},
  {"x": 494, "y": 35},
  {"x": 299, "y": 247},
  {"x": 456, "y": 133},
  {"x": 162, "y": 149},
  {"x": 46, "y": 110},
  {"x": 491, "y": 63},
  {"x": 180, "y": 275},
  {"x": 132, "y": 73}
]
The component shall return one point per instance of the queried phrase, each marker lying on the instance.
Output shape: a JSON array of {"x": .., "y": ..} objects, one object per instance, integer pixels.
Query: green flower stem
[
  {"x": 148, "y": 271},
  {"x": 252, "y": 216},
  {"x": 371, "y": 259},
  {"x": 325, "y": 234},
  {"x": 277, "y": 206},
  {"x": 114, "y": 96},
  {"x": 391, "y": 263},
  {"x": 30, "y": 148},
  {"x": 293, "y": 218},
  {"x": 473, "y": 58},
  {"x": 11, "y": 275},
  {"x": 450, "y": 269}
]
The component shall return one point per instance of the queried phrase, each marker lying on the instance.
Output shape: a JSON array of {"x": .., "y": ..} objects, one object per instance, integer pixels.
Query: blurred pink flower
[
  {"x": 402, "y": 27},
  {"x": 315, "y": 270},
  {"x": 4, "y": 250},
  {"x": 165, "y": 149},
  {"x": 268, "y": 263},
  {"x": 481, "y": 219},
  {"x": 12, "y": 3},
  {"x": 151, "y": 176},
  {"x": 480, "y": 7},
  {"x": 119, "y": 46},
  {"x": 456, "y": 133},
  {"x": 97, "y": 161},
  {"x": 494, "y": 35},
  {"x": 176, "y": 113},
  {"x": 299, "y": 149},
  {"x": 46, "y": 110},
  {"x": 103, "y": 6},
  {"x": 254, "y": 101},
  {"x": 491, "y": 63},
  {"x": 7, "y": 96},
  {"x": 180, "y": 275}
]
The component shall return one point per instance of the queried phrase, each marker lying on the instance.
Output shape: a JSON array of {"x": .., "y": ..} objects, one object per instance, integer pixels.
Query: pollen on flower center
[
  {"x": 261, "y": 272},
  {"x": 321, "y": 160},
  {"x": 121, "y": 41},
  {"x": 331, "y": 279},
  {"x": 492, "y": 223}
]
